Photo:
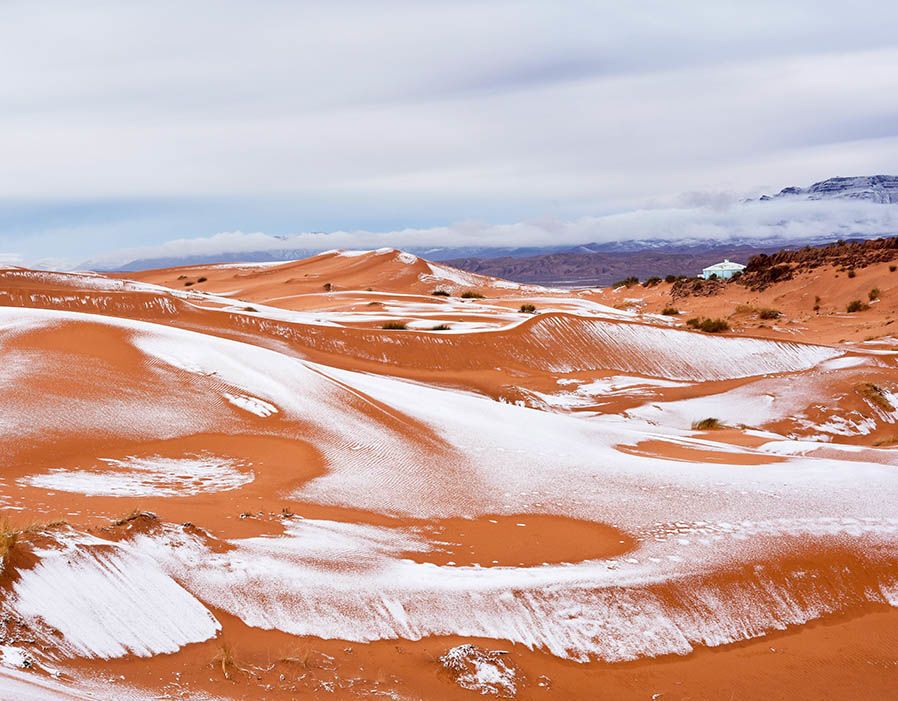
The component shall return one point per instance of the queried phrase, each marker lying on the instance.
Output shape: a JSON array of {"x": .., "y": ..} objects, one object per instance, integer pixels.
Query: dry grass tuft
[
  {"x": 9, "y": 536},
  {"x": 227, "y": 661},
  {"x": 133, "y": 516},
  {"x": 709, "y": 424}
]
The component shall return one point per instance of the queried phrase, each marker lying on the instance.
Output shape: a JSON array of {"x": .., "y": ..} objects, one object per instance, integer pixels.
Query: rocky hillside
[
  {"x": 764, "y": 269},
  {"x": 882, "y": 189}
]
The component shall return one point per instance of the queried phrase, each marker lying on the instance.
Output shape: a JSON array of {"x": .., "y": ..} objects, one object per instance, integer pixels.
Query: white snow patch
[
  {"x": 148, "y": 476},
  {"x": 254, "y": 405},
  {"x": 107, "y": 601}
]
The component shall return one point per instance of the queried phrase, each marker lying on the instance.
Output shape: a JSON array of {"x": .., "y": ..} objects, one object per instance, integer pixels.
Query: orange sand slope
[{"x": 247, "y": 487}]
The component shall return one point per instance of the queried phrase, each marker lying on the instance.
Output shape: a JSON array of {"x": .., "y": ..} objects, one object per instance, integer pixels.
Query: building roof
[{"x": 726, "y": 265}]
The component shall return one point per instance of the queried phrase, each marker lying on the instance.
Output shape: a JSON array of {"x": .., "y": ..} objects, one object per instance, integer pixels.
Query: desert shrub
[
  {"x": 670, "y": 311},
  {"x": 202, "y": 279},
  {"x": 182, "y": 277},
  {"x": 394, "y": 326},
  {"x": 670, "y": 279},
  {"x": 188, "y": 283},
  {"x": 527, "y": 309},
  {"x": 852, "y": 273},
  {"x": 709, "y": 424},
  {"x": 250, "y": 309},
  {"x": 441, "y": 327},
  {"x": 708, "y": 325},
  {"x": 652, "y": 281},
  {"x": 440, "y": 293},
  {"x": 471, "y": 295},
  {"x": 768, "y": 313},
  {"x": 873, "y": 294},
  {"x": 627, "y": 282},
  {"x": 328, "y": 287},
  {"x": 875, "y": 395},
  {"x": 856, "y": 305},
  {"x": 893, "y": 268}
]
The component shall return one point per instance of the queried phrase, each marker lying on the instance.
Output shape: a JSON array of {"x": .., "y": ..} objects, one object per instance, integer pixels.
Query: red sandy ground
[{"x": 835, "y": 658}]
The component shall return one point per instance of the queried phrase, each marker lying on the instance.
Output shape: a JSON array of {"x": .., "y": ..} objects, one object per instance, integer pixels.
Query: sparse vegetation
[
  {"x": 202, "y": 279},
  {"x": 527, "y": 309},
  {"x": 250, "y": 309},
  {"x": 875, "y": 395},
  {"x": 856, "y": 305},
  {"x": 133, "y": 515},
  {"x": 670, "y": 279},
  {"x": 652, "y": 281},
  {"x": 395, "y": 326},
  {"x": 182, "y": 277},
  {"x": 873, "y": 294},
  {"x": 670, "y": 311},
  {"x": 816, "y": 303},
  {"x": 328, "y": 287},
  {"x": 226, "y": 659},
  {"x": 852, "y": 273},
  {"x": 893, "y": 268},
  {"x": 626, "y": 282},
  {"x": 709, "y": 424},
  {"x": 440, "y": 293},
  {"x": 708, "y": 325},
  {"x": 188, "y": 283},
  {"x": 9, "y": 536},
  {"x": 768, "y": 313},
  {"x": 441, "y": 327},
  {"x": 471, "y": 295}
]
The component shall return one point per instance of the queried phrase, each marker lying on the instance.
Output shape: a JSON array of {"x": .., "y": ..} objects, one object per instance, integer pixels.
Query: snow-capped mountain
[{"x": 882, "y": 189}]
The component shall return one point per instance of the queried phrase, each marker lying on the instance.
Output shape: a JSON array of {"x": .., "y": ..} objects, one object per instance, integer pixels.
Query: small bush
[
  {"x": 328, "y": 287},
  {"x": 652, "y": 281},
  {"x": 626, "y": 282},
  {"x": 188, "y": 283},
  {"x": 182, "y": 277},
  {"x": 873, "y": 294},
  {"x": 816, "y": 303},
  {"x": 875, "y": 395},
  {"x": 250, "y": 309},
  {"x": 709, "y": 424},
  {"x": 856, "y": 305},
  {"x": 471, "y": 295},
  {"x": 768, "y": 313},
  {"x": 708, "y": 325},
  {"x": 394, "y": 326},
  {"x": 670, "y": 279},
  {"x": 852, "y": 273},
  {"x": 202, "y": 279},
  {"x": 893, "y": 268},
  {"x": 527, "y": 309},
  {"x": 440, "y": 293},
  {"x": 670, "y": 311},
  {"x": 441, "y": 327}
]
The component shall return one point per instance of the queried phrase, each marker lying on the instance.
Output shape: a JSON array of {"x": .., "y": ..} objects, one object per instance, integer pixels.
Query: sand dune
[{"x": 247, "y": 487}]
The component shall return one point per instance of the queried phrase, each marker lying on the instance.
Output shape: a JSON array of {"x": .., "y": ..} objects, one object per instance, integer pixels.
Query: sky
[{"x": 173, "y": 126}]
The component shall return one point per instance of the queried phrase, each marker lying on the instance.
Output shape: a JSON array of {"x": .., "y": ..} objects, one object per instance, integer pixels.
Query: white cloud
[
  {"x": 787, "y": 219},
  {"x": 446, "y": 110}
]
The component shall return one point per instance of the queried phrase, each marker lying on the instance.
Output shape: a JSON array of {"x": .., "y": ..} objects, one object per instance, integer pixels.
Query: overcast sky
[{"x": 126, "y": 125}]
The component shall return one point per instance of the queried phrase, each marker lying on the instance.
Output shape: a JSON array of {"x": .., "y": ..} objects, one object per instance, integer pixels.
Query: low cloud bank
[{"x": 786, "y": 219}]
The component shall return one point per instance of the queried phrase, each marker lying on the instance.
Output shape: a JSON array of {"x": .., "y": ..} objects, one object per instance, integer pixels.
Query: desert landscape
[{"x": 367, "y": 475}]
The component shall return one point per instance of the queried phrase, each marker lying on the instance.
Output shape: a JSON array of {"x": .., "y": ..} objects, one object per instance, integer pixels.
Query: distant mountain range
[
  {"x": 882, "y": 189},
  {"x": 595, "y": 263}
]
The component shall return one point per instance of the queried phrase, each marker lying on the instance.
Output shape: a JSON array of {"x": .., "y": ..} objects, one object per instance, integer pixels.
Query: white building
[{"x": 724, "y": 270}]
